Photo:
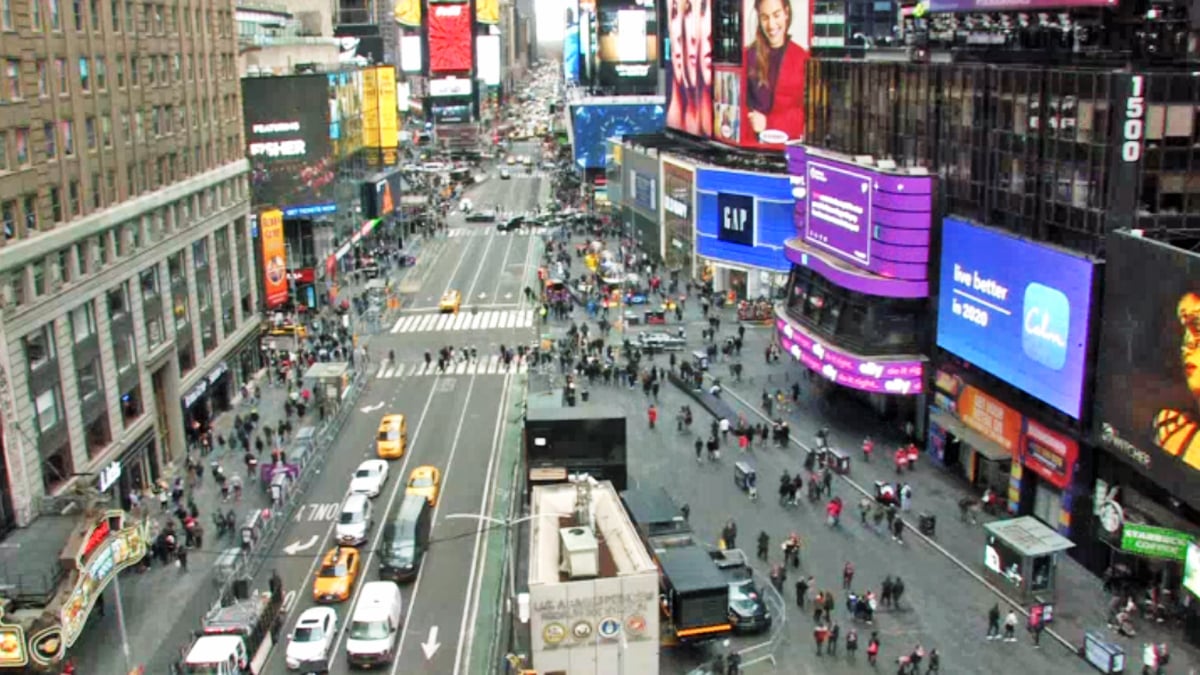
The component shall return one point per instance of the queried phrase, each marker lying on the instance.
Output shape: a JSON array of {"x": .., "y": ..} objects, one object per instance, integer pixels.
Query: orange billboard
[
  {"x": 274, "y": 252},
  {"x": 990, "y": 417}
]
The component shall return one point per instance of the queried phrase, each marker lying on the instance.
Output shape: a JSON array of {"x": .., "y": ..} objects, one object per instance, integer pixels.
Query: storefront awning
[{"x": 981, "y": 444}]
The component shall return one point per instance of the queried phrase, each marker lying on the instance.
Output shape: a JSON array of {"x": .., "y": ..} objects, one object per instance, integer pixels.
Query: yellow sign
[
  {"x": 108, "y": 548},
  {"x": 370, "y": 82},
  {"x": 380, "y": 118},
  {"x": 408, "y": 13},
  {"x": 487, "y": 11},
  {"x": 274, "y": 252}
]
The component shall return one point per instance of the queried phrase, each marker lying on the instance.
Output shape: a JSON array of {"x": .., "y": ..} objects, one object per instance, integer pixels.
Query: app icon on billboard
[{"x": 1047, "y": 324}]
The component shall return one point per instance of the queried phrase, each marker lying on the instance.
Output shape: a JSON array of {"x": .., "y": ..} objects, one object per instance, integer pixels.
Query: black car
[
  {"x": 747, "y": 610},
  {"x": 481, "y": 217},
  {"x": 661, "y": 342},
  {"x": 511, "y": 224}
]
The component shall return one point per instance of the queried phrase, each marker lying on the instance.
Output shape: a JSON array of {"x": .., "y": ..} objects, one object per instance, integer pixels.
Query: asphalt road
[{"x": 454, "y": 423}]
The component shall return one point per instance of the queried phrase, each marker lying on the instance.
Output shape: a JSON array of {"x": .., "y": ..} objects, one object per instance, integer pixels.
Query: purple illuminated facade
[
  {"x": 903, "y": 377},
  {"x": 864, "y": 229},
  {"x": 1014, "y": 5}
]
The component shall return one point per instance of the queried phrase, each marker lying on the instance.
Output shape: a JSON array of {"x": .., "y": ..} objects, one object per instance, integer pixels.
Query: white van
[{"x": 375, "y": 626}]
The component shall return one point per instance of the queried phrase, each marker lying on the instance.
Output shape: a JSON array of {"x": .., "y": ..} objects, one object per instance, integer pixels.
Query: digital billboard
[
  {"x": 1014, "y": 5},
  {"x": 487, "y": 50},
  {"x": 487, "y": 11},
  {"x": 571, "y": 43},
  {"x": 678, "y": 184},
  {"x": 345, "y": 96},
  {"x": 449, "y": 38},
  {"x": 745, "y": 90},
  {"x": 407, "y": 13},
  {"x": 743, "y": 218},
  {"x": 410, "y": 54},
  {"x": 274, "y": 253},
  {"x": 1018, "y": 309},
  {"x": 380, "y": 108},
  {"x": 627, "y": 45},
  {"x": 905, "y": 377},
  {"x": 594, "y": 123},
  {"x": 287, "y": 140},
  {"x": 859, "y": 218},
  {"x": 1148, "y": 369}
]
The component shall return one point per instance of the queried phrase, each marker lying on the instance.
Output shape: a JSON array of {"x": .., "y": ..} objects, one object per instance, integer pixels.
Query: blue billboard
[
  {"x": 744, "y": 218},
  {"x": 571, "y": 44},
  {"x": 594, "y": 123},
  {"x": 1018, "y": 309}
]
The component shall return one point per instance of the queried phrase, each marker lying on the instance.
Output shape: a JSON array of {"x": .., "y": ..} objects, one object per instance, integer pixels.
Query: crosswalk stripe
[
  {"x": 465, "y": 321},
  {"x": 527, "y": 319},
  {"x": 490, "y": 364},
  {"x": 460, "y": 320},
  {"x": 426, "y": 323},
  {"x": 475, "y": 319},
  {"x": 523, "y": 366}
]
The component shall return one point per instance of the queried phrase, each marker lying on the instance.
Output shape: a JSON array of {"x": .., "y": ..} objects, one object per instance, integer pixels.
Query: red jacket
[{"x": 787, "y": 106}]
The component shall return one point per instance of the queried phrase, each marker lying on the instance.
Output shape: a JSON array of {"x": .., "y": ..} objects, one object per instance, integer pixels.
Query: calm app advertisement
[{"x": 1017, "y": 309}]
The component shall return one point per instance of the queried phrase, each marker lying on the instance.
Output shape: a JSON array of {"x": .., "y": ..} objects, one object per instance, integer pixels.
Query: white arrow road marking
[
  {"x": 482, "y": 296},
  {"x": 507, "y": 296},
  {"x": 430, "y": 645},
  {"x": 295, "y": 547},
  {"x": 372, "y": 408}
]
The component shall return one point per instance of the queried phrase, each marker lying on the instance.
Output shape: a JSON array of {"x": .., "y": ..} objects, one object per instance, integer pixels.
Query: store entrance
[{"x": 738, "y": 281}]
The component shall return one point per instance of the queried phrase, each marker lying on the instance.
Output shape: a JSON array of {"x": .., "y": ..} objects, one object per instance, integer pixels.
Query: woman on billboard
[
  {"x": 774, "y": 108},
  {"x": 676, "y": 113},
  {"x": 690, "y": 27},
  {"x": 1176, "y": 430}
]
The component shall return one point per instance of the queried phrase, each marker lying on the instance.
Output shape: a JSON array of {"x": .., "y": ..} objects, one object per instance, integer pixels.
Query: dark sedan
[
  {"x": 481, "y": 217},
  {"x": 511, "y": 224}
]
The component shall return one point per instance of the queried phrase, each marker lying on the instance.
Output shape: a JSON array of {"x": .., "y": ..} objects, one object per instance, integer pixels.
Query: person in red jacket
[{"x": 775, "y": 67}]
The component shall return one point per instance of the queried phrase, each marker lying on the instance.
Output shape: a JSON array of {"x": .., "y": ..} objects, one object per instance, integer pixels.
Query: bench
[{"x": 716, "y": 406}]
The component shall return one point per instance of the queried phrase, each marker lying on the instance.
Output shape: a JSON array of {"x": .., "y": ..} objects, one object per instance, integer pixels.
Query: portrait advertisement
[
  {"x": 1148, "y": 379},
  {"x": 727, "y": 110},
  {"x": 690, "y": 72},
  {"x": 776, "y": 37}
]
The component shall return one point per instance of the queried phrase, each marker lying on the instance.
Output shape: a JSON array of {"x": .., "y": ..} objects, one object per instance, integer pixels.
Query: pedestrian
[
  {"x": 847, "y": 575},
  {"x": 1035, "y": 627},
  {"x": 885, "y": 591},
  {"x": 868, "y": 447},
  {"x": 802, "y": 586},
  {"x": 935, "y": 662},
  {"x": 652, "y": 415},
  {"x": 181, "y": 557},
  {"x": 901, "y": 459},
  {"x": 906, "y": 497},
  {"x": 699, "y": 450},
  {"x": 1010, "y": 626},
  {"x": 764, "y": 540},
  {"x": 743, "y": 442},
  {"x": 993, "y": 619},
  {"x": 778, "y": 577},
  {"x": 851, "y": 642},
  {"x": 829, "y": 602},
  {"x": 898, "y": 530},
  {"x": 820, "y": 635},
  {"x": 897, "y": 591},
  {"x": 818, "y": 606},
  {"x": 873, "y": 648},
  {"x": 729, "y": 534},
  {"x": 835, "y": 634}
]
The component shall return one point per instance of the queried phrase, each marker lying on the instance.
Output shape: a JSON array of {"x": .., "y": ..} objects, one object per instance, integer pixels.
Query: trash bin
[
  {"x": 839, "y": 460},
  {"x": 927, "y": 524},
  {"x": 583, "y": 395}
]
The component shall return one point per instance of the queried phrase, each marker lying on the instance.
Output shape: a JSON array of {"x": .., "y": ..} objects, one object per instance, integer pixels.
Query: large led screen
[
  {"x": 753, "y": 96},
  {"x": 287, "y": 140},
  {"x": 407, "y": 13},
  {"x": 1015, "y": 5},
  {"x": 449, "y": 38},
  {"x": 1148, "y": 370},
  {"x": 627, "y": 48},
  {"x": 487, "y": 48},
  {"x": 858, "y": 218},
  {"x": 487, "y": 11},
  {"x": 1018, "y": 309},
  {"x": 410, "y": 54},
  {"x": 571, "y": 43},
  {"x": 743, "y": 218},
  {"x": 593, "y": 124}
]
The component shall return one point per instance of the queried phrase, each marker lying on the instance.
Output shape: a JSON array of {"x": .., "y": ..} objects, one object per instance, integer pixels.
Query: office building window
[
  {"x": 123, "y": 351},
  {"x": 35, "y": 15},
  {"x": 118, "y": 303},
  {"x": 43, "y": 77},
  {"x": 98, "y": 435},
  {"x": 101, "y": 74},
  {"x": 83, "y": 322},
  {"x": 48, "y": 408},
  {"x": 56, "y": 207},
  {"x": 40, "y": 347},
  {"x": 89, "y": 132},
  {"x": 85, "y": 79},
  {"x": 68, "y": 137},
  {"x": 89, "y": 378},
  {"x": 55, "y": 15},
  {"x": 8, "y": 212},
  {"x": 30, "y": 206},
  {"x": 12, "y": 80},
  {"x": 131, "y": 405},
  {"x": 21, "y": 136}
]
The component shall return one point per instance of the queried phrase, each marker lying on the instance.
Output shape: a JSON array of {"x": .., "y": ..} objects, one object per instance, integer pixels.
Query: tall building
[{"x": 127, "y": 302}]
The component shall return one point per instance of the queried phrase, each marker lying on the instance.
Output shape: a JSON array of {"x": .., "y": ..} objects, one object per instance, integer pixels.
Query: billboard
[
  {"x": 274, "y": 252},
  {"x": 410, "y": 54},
  {"x": 678, "y": 184},
  {"x": 487, "y": 50},
  {"x": 359, "y": 44},
  {"x": 380, "y": 195},
  {"x": 627, "y": 45},
  {"x": 743, "y": 218},
  {"x": 380, "y": 108},
  {"x": 345, "y": 95},
  {"x": 287, "y": 140},
  {"x": 904, "y": 377},
  {"x": 444, "y": 87},
  {"x": 487, "y": 11},
  {"x": 1018, "y": 309},
  {"x": 407, "y": 13},
  {"x": 594, "y": 123},
  {"x": 753, "y": 95},
  {"x": 855, "y": 218},
  {"x": 1014, "y": 5},
  {"x": 1148, "y": 379},
  {"x": 571, "y": 43},
  {"x": 449, "y": 38}
]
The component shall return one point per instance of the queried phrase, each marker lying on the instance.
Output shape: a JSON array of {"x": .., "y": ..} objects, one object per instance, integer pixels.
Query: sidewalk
[{"x": 162, "y": 603}]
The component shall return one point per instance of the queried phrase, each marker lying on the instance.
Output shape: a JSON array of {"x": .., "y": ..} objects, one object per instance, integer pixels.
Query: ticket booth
[{"x": 1021, "y": 556}]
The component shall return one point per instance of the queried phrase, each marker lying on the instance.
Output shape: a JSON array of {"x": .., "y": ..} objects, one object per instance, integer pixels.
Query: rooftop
[{"x": 553, "y": 507}]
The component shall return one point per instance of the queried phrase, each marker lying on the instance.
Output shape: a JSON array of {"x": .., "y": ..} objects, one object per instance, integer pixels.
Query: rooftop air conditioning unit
[{"x": 580, "y": 552}]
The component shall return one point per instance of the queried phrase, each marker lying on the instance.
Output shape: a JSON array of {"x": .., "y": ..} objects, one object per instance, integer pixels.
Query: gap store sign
[
  {"x": 743, "y": 218},
  {"x": 1018, "y": 309}
]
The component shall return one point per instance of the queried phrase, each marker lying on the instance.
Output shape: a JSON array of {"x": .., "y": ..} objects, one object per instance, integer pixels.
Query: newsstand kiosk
[{"x": 1021, "y": 556}]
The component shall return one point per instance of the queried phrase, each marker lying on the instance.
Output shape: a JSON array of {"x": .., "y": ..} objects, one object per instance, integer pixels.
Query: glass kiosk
[{"x": 1021, "y": 555}]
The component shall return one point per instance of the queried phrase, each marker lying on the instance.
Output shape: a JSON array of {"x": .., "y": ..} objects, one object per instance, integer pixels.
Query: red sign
[
  {"x": 1048, "y": 454},
  {"x": 449, "y": 38},
  {"x": 96, "y": 537}
]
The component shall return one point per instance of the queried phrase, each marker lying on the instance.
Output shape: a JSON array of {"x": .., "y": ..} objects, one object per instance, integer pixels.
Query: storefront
[
  {"x": 209, "y": 397},
  {"x": 743, "y": 220},
  {"x": 640, "y": 200},
  {"x": 678, "y": 217},
  {"x": 135, "y": 470}
]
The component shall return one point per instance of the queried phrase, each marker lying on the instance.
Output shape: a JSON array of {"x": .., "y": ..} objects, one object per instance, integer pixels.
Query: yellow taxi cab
[
  {"x": 339, "y": 570},
  {"x": 392, "y": 440},
  {"x": 425, "y": 481},
  {"x": 450, "y": 302}
]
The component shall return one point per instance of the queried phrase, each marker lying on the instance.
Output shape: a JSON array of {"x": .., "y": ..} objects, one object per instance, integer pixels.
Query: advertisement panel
[
  {"x": 743, "y": 218},
  {"x": 678, "y": 184},
  {"x": 1155, "y": 542},
  {"x": 487, "y": 11},
  {"x": 274, "y": 252},
  {"x": 449, "y": 38},
  {"x": 858, "y": 218},
  {"x": 380, "y": 194},
  {"x": 904, "y": 377},
  {"x": 407, "y": 13},
  {"x": 380, "y": 116},
  {"x": 345, "y": 94},
  {"x": 570, "y": 58},
  {"x": 444, "y": 87},
  {"x": 594, "y": 123},
  {"x": 287, "y": 140},
  {"x": 1014, "y": 5},
  {"x": 1150, "y": 345},
  {"x": 643, "y": 188},
  {"x": 487, "y": 50},
  {"x": 410, "y": 54},
  {"x": 754, "y": 97},
  {"x": 1191, "y": 569},
  {"x": 1017, "y": 309},
  {"x": 359, "y": 44},
  {"x": 627, "y": 45}
]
